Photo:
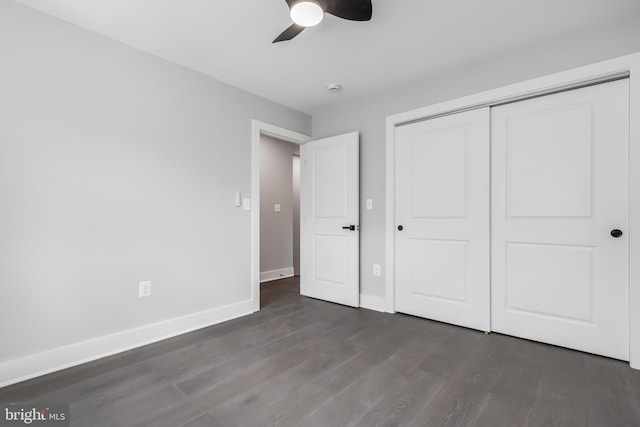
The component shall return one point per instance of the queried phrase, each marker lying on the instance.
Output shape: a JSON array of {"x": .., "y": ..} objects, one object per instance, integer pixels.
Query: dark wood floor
[{"x": 303, "y": 362}]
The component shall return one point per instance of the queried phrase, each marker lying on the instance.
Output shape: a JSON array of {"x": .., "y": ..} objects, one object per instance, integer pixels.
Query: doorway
[
  {"x": 259, "y": 130},
  {"x": 329, "y": 212},
  {"x": 279, "y": 211}
]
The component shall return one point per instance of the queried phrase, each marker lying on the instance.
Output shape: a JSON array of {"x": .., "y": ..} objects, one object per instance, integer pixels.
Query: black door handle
[
  {"x": 350, "y": 227},
  {"x": 400, "y": 228},
  {"x": 616, "y": 233}
]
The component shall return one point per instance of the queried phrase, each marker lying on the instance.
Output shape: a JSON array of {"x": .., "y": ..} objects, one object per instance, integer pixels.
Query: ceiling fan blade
[
  {"x": 289, "y": 33},
  {"x": 353, "y": 10}
]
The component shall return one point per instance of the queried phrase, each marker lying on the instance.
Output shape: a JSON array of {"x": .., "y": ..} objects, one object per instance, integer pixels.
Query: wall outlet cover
[{"x": 144, "y": 289}]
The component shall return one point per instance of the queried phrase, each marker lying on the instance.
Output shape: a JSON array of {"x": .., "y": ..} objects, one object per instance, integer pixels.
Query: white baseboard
[
  {"x": 267, "y": 276},
  {"x": 27, "y": 367},
  {"x": 373, "y": 302}
]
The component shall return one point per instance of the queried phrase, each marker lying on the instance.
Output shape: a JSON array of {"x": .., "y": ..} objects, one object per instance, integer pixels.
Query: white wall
[
  {"x": 368, "y": 116},
  {"x": 276, "y": 187},
  {"x": 115, "y": 167}
]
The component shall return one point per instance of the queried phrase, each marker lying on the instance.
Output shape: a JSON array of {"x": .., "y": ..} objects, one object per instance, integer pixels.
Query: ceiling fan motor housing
[{"x": 311, "y": 12}]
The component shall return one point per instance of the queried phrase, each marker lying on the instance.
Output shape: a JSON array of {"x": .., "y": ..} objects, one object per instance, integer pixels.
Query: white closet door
[
  {"x": 559, "y": 188},
  {"x": 442, "y": 214}
]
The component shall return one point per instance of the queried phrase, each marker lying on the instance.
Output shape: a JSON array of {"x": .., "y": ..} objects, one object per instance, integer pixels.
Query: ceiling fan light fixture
[{"x": 307, "y": 13}]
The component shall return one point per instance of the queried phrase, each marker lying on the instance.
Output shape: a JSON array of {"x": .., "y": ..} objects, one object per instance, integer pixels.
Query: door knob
[
  {"x": 350, "y": 227},
  {"x": 616, "y": 233},
  {"x": 400, "y": 228}
]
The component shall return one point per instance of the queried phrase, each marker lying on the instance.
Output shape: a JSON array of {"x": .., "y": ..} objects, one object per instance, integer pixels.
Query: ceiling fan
[{"x": 307, "y": 13}]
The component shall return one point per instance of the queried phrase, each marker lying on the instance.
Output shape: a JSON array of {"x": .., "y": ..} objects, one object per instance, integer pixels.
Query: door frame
[
  {"x": 625, "y": 66},
  {"x": 261, "y": 128}
]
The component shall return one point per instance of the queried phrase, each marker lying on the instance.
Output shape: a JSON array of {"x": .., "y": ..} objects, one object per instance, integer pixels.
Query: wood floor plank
[
  {"x": 527, "y": 355},
  {"x": 255, "y": 406},
  {"x": 516, "y": 383},
  {"x": 125, "y": 410},
  {"x": 206, "y": 420},
  {"x": 558, "y": 404},
  {"x": 206, "y": 378},
  {"x": 633, "y": 390},
  {"x": 487, "y": 359},
  {"x": 608, "y": 401},
  {"x": 240, "y": 380},
  {"x": 503, "y": 411},
  {"x": 449, "y": 355},
  {"x": 458, "y": 402},
  {"x": 564, "y": 364},
  {"x": 352, "y": 403},
  {"x": 404, "y": 401},
  {"x": 292, "y": 409}
]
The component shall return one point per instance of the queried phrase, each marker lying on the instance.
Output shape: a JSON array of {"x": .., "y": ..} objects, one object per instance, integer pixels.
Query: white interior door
[
  {"x": 559, "y": 187},
  {"x": 329, "y": 203},
  {"x": 442, "y": 215}
]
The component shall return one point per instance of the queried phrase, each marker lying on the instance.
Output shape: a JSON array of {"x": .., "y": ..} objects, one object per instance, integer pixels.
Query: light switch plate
[
  {"x": 246, "y": 204},
  {"x": 276, "y": 208},
  {"x": 377, "y": 270},
  {"x": 369, "y": 204}
]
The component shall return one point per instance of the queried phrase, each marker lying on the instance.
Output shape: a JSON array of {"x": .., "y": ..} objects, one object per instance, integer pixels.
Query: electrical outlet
[
  {"x": 377, "y": 270},
  {"x": 276, "y": 208},
  {"x": 144, "y": 289}
]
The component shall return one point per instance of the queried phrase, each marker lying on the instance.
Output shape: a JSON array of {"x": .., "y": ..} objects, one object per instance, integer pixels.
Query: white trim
[
  {"x": 282, "y": 273},
  {"x": 373, "y": 302},
  {"x": 634, "y": 212},
  {"x": 563, "y": 80},
  {"x": 35, "y": 365},
  {"x": 261, "y": 128},
  {"x": 390, "y": 219}
]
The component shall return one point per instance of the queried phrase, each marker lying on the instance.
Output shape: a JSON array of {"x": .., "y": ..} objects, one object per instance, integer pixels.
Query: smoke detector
[{"x": 334, "y": 88}]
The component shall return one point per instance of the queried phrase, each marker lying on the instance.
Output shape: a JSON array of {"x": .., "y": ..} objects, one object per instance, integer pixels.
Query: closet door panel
[
  {"x": 442, "y": 213},
  {"x": 559, "y": 187}
]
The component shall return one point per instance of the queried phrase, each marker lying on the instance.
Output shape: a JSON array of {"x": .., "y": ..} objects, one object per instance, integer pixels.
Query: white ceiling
[{"x": 407, "y": 40}]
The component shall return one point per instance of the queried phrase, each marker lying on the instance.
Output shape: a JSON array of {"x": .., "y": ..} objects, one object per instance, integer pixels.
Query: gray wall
[
  {"x": 368, "y": 116},
  {"x": 276, "y": 186},
  {"x": 116, "y": 167}
]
